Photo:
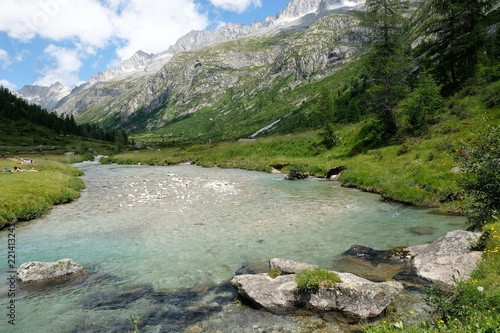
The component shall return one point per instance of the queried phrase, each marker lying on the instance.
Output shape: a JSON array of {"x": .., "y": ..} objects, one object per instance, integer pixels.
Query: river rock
[
  {"x": 334, "y": 173},
  {"x": 36, "y": 271},
  {"x": 289, "y": 266},
  {"x": 365, "y": 299},
  {"x": 295, "y": 175},
  {"x": 116, "y": 299},
  {"x": 375, "y": 265},
  {"x": 448, "y": 258},
  {"x": 274, "y": 294},
  {"x": 354, "y": 296}
]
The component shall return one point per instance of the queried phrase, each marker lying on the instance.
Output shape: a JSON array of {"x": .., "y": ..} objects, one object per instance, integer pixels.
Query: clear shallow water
[{"x": 175, "y": 230}]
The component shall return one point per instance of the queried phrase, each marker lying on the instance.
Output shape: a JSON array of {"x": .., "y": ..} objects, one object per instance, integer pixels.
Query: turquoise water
[{"x": 180, "y": 233}]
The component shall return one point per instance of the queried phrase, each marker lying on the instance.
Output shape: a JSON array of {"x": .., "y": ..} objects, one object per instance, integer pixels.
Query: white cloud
[
  {"x": 8, "y": 85},
  {"x": 238, "y": 6},
  {"x": 152, "y": 26},
  {"x": 95, "y": 25},
  {"x": 65, "y": 67},
  {"x": 86, "y": 20},
  {"x": 4, "y": 59}
]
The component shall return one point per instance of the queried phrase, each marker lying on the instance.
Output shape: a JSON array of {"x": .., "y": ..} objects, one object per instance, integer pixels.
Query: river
[{"x": 160, "y": 244}]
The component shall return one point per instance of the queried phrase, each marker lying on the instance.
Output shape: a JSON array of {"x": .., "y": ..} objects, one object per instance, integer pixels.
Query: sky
[{"x": 45, "y": 41}]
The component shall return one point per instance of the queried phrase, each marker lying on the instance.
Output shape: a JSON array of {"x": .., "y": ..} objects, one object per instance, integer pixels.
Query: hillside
[{"x": 28, "y": 129}]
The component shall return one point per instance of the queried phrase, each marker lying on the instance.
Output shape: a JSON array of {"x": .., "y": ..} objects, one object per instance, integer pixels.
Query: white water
[{"x": 190, "y": 228}]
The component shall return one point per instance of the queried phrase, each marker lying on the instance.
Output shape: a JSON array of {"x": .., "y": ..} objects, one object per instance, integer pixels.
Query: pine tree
[
  {"x": 386, "y": 62},
  {"x": 455, "y": 37}
]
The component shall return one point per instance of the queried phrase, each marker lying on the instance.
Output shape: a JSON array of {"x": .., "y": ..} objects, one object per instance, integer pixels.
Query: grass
[
  {"x": 28, "y": 195},
  {"x": 313, "y": 279}
]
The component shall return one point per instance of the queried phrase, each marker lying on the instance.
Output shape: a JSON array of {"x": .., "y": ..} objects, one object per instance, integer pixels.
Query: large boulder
[
  {"x": 447, "y": 259},
  {"x": 353, "y": 296},
  {"x": 274, "y": 294},
  {"x": 36, "y": 271}
]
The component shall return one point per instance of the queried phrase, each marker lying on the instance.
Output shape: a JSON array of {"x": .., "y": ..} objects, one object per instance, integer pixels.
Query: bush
[
  {"x": 482, "y": 166},
  {"x": 313, "y": 279}
]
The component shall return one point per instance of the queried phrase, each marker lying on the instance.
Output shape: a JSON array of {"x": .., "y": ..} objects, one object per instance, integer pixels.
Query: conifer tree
[
  {"x": 386, "y": 62},
  {"x": 455, "y": 36}
]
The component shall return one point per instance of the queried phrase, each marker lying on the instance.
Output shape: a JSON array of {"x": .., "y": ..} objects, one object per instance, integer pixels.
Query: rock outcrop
[
  {"x": 39, "y": 272},
  {"x": 448, "y": 258},
  {"x": 354, "y": 296}
]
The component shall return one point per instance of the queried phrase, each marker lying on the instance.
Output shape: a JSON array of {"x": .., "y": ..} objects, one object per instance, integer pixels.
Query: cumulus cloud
[
  {"x": 152, "y": 26},
  {"x": 65, "y": 65},
  {"x": 87, "y": 20},
  {"x": 8, "y": 85},
  {"x": 238, "y": 6}
]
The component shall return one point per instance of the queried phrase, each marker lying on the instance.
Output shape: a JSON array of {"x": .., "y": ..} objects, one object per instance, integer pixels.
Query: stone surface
[
  {"x": 276, "y": 295},
  {"x": 354, "y": 296},
  {"x": 447, "y": 258},
  {"x": 366, "y": 299},
  {"x": 36, "y": 271},
  {"x": 289, "y": 266}
]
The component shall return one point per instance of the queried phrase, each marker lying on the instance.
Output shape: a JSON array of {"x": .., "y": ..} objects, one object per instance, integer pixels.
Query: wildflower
[
  {"x": 480, "y": 288},
  {"x": 411, "y": 312}
]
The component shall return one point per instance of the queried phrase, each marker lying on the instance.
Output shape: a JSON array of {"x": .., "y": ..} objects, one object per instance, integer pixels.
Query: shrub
[
  {"x": 313, "y": 279},
  {"x": 482, "y": 169}
]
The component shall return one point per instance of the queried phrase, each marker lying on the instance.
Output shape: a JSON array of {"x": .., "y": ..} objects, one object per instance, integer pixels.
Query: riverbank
[{"x": 33, "y": 189}]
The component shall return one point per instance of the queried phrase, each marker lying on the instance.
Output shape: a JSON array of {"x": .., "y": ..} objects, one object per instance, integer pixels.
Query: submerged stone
[
  {"x": 423, "y": 230},
  {"x": 115, "y": 299}
]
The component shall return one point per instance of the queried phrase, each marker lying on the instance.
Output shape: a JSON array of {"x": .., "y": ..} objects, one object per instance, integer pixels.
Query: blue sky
[{"x": 44, "y": 41}]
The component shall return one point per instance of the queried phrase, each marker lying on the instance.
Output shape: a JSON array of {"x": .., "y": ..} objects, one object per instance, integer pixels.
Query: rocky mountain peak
[
  {"x": 137, "y": 62},
  {"x": 46, "y": 97},
  {"x": 298, "y": 8}
]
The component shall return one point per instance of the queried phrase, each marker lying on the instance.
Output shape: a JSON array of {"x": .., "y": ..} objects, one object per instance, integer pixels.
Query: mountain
[
  {"x": 210, "y": 70},
  {"x": 142, "y": 63},
  {"x": 46, "y": 97},
  {"x": 136, "y": 63}
]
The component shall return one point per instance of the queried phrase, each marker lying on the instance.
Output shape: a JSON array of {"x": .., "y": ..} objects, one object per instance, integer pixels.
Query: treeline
[
  {"x": 416, "y": 60},
  {"x": 15, "y": 108}
]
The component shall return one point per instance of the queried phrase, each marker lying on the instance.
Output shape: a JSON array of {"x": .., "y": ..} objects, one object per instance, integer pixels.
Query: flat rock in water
[
  {"x": 448, "y": 258},
  {"x": 36, "y": 271}
]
